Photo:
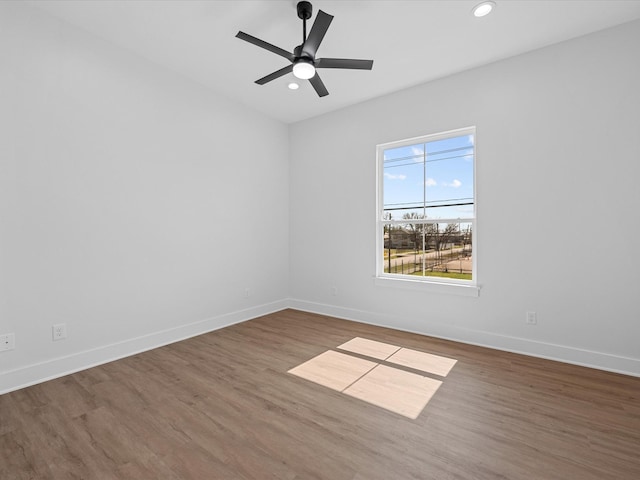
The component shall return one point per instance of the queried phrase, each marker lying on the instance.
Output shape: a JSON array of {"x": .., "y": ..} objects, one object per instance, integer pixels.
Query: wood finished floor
[{"x": 222, "y": 406}]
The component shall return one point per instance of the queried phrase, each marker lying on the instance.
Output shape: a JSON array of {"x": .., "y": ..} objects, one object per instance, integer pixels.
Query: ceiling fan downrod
[{"x": 305, "y": 11}]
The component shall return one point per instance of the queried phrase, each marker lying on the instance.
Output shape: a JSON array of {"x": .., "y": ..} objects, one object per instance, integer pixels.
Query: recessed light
[
  {"x": 293, "y": 86},
  {"x": 483, "y": 9}
]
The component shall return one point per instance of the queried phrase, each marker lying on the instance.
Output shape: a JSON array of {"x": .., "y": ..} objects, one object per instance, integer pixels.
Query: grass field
[{"x": 461, "y": 276}]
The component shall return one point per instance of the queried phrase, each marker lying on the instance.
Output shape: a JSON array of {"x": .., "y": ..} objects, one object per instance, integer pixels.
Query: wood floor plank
[
  {"x": 369, "y": 348},
  {"x": 333, "y": 369},
  {"x": 18, "y": 459},
  {"x": 425, "y": 362},
  {"x": 222, "y": 406},
  {"x": 396, "y": 390}
]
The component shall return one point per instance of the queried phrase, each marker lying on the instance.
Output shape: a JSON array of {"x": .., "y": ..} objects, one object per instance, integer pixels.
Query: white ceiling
[{"x": 411, "y": 42}]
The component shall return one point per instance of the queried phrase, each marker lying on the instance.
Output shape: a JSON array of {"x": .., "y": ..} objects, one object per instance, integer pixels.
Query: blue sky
[{"x": 446, "y": 177}]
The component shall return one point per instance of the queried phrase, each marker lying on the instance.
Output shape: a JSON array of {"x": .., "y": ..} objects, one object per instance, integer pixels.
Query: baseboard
[
  {"x": 58, "y": 367},
  {"x": 561, "y": 353},
  {"x": 61, "y": 366}
]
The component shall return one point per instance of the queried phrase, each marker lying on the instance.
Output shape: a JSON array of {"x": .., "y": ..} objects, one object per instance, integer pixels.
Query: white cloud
[
  {"x": 430, "y": 182},
  {"x": 454, "y": 184},
  {"x": 399, "y": 176},
  {"x": 418, "y": 153}
]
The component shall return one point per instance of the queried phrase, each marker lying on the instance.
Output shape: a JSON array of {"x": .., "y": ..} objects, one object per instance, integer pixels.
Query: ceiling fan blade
[
  {"x": 267, "y": 46},
  {"x": 274, "y": 75},
  {"x": 344, "y": 63},
  {"x": 318, "y": 86},
  {"x": 319, "y": 29}
]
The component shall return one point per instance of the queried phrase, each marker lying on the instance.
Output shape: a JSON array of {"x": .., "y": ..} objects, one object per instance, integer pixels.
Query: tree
[
  {"x": 416, "y": 230},
  {"x": 466, "y": 240},
  {"x": 387, "y": 233},
  {"x": 440, "y": 237}
]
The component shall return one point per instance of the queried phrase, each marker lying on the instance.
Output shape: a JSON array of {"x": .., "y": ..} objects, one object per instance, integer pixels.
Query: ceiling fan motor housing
[
  {"x": 297, "y": 52},
  {"x": 305, "y": 10}
]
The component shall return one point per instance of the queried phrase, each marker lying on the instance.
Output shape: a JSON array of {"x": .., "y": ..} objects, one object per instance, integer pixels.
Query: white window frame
[{"x": 433, "y": 284}]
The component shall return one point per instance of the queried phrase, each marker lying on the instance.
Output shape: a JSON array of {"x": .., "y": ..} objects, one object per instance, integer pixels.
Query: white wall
[
  {"x": 558, "y": 163},
  {"x": 135, "y": 206}
]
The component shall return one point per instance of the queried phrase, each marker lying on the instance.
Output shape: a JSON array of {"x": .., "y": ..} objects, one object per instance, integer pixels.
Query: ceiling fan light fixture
[
  {"x": 303, "y": 69},
  {"x": 483, "y": 9}
]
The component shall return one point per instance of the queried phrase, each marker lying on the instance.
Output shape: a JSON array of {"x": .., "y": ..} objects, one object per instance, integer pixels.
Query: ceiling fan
[{"x": 303, "y": 59}]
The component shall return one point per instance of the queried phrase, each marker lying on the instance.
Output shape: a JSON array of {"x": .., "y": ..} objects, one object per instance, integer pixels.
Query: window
[{"x": 426, "y": 209}]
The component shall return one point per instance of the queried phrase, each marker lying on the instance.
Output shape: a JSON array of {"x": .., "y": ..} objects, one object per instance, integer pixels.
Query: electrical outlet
[
  {"x": 334, "y": 290},
  {"x": 59, "y": 331},
  {"x": 532, "y": 318},
  {"x": 248, "y": 292},
  {"x": 7, "y": 342}
]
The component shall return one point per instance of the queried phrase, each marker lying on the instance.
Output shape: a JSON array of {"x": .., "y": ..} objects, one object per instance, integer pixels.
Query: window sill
[{"x": 426, "y": 286}]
